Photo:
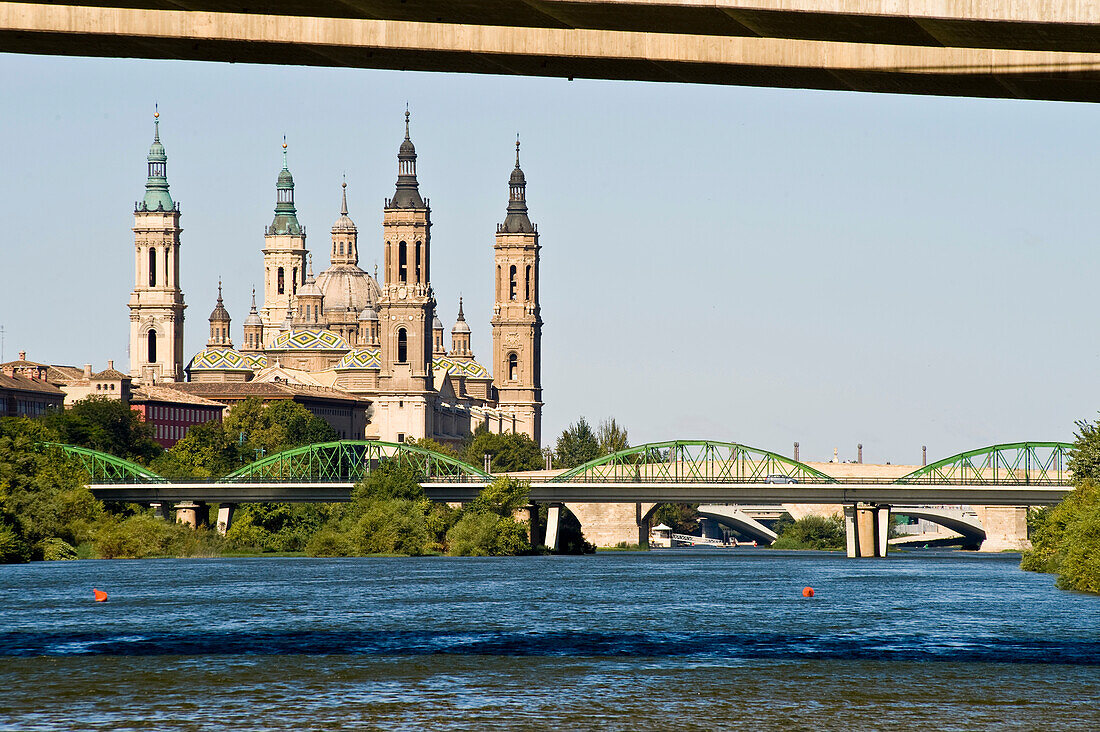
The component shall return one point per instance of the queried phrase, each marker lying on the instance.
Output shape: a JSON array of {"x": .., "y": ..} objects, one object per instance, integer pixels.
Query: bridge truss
[
  {"x": 693, "y": 461},
  {"x": 104, "y": 468},
  {"x": 1014, "y": 463},
  {"x": 349, "y": 461}
]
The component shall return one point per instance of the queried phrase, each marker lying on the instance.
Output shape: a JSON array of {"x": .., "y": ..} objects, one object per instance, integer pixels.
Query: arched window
[
  {"x": 418, "y": 262},
  {"x": 402, "y": 345},
  {"x": 512, "y": 282},
  {"x": 498, "y": 283},
  {"x": 167, "y": 269},
  {"x": 513, "y": 367},
  {"x": 281, "y": 287},
  {"x": 341, "y": 248},
  {"x": 294, "y": 281},
  {"x": 152, "y": 266},
  {"x": 402, "y": 262},
  {"x": 151, "y": 336},
  {"x": 527, "y": 285}
]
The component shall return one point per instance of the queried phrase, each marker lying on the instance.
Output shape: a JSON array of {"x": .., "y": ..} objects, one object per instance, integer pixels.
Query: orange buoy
[
  {"x": 807, "y": 591},
  {"x": 100, "y": 595}
]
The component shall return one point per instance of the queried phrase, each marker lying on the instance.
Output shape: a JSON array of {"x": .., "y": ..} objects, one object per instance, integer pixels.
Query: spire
[
  {"x": 157, "y": 197},
  {"x": 407, "y": 194},
  {"x": 344, "y": 224},
  {"x": 517, "y": 220},
  {"x": 309, "y": 271},
  {"x": 253, "y": 314},
  {"x": 286, "y": 216},
  {"x": 219, "y": 313},
  {"x": 460, "y": 325}
]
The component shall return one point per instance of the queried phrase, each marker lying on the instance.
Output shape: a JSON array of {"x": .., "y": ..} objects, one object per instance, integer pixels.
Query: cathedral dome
[
  {"x": 309, "y": 339},
  {"x": 219, "y": 359},
  {"x": 360, "y": 358},
  {"x": 471, "y": 369},
  {"x": 346, "y": 287}
]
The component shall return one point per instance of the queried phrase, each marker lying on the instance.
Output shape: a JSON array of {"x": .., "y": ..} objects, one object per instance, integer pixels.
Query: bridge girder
[
  {"x": 1011, "y": 463},
  {"x": 349, "y": 461},
  {"x": 994, "y": 48},
  {"x": 692, "y": 461},
  {"x": 103, "y": 467}
]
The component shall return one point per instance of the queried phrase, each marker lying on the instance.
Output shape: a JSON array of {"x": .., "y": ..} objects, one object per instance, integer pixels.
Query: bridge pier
[
  {"x": 553, "y": 523},
  {"x": 225, "y": 517},
  {"x": 194, "y": 514},
  {"x": 866, "y": 527},
  {"x": 160, "y": 510},
  {"x": 1005, "y": 528}
]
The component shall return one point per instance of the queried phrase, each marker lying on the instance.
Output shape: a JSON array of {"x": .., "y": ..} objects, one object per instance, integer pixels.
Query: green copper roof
[
  {"x": 286, "y": 216},
  {"x": 157, "y": 197}
]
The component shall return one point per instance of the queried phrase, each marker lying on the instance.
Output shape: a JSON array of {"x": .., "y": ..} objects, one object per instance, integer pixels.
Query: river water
[{"x": 711, "y": 640}]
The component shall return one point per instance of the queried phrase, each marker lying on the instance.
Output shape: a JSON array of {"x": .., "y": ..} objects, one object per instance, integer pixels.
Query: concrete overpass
[{"x": 981, "y": 48}]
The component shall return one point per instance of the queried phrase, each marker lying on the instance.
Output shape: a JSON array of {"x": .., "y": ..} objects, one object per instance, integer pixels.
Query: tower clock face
[{"x": 402, "y": 293}]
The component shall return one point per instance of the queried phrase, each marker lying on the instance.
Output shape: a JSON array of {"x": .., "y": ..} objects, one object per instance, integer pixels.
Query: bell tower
[
  {"x": 284, "y": 255},
  {"x": 406, "y": 309},
  {"x": 517, "y": 319},
  {"x": 156, "y": 303}
]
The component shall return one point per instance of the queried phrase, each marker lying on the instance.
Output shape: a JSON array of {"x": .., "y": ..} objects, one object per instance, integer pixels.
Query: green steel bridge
[{"x": 692, "y": 471}]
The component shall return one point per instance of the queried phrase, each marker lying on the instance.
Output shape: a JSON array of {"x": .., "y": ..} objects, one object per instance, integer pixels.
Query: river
[{"x": 617, "y": 641}]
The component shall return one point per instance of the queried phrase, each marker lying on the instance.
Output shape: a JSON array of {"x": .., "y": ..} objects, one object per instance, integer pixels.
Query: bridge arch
[
  {"x": 103, "y": 467},
  {"x": 692, "y": 461},
  {"x": 1010, "y": 463},
  {"x": 352, "y": 460}
]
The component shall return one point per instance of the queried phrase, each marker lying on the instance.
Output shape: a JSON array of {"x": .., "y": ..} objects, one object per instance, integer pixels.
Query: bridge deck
[
  {"x": 928, "y": 493},
  {"x": 987, "y": 48}
]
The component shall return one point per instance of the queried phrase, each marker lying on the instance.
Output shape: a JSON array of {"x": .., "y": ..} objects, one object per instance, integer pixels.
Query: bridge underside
[{"x": 994, "y": 49}]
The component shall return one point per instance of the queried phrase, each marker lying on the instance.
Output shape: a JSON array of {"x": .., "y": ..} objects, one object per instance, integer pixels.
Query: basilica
[{"x": 342, "y": 336}]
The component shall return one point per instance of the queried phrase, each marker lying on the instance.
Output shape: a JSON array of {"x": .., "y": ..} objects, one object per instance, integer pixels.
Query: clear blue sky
[{"x": 756, "y": 265}]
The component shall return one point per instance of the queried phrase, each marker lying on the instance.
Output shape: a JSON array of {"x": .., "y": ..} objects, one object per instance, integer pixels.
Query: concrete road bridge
[
  {"x": 981, "y": 48},
  {"x": 613, "y": 495}
]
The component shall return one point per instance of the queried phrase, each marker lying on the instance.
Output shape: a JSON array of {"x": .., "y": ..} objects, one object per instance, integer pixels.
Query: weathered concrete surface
[
  {"x": 1005, "y": 528},
  {"x": 990, "y": 48},
  {"x": 609, "y": 524},
  {"x": 736, "y": 518}
]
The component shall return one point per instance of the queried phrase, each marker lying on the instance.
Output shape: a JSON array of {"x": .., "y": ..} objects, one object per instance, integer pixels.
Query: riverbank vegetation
[
  {"x": 47, "y": 512},
  {"x": 810, "y": 532},
  {"x": 1065, "y": 538}
]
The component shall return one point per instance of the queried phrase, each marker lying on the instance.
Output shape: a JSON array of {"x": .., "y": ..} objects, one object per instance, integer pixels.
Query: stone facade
[{"x": 381, "y": 342}]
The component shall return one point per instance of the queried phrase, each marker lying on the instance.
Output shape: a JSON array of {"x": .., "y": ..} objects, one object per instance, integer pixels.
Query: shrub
[
  {"x": 481, "y": 534},
  {"x": 812, "y": 532}
]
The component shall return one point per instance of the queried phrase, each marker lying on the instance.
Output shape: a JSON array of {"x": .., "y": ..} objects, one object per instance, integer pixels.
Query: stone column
[
  {"x": 882, "y": 530},
  {"x": 533, "y": 533},
  {"x": 160, "y": 510},
  {"x": 187, "y": 513},
  {"x": 850, "y": 538},
  {"x": 225, "y": 517},
  {"x": 866, "y": 527},
  {"x": 553, "y": 519},
  {"x": 194, "y": 514}
]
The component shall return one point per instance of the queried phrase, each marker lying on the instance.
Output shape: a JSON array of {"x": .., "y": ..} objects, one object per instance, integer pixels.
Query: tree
[
  {"x": 277, "y": 426},
  {"x": 611, "y": 436},
  {"x": 508, "y": 453},
  {"x": 43, "y": 497},
  {"x": 812, "y": 532},
  {"x": 107, "y": 425},
  {"x": 576, "y": 445},
  {"x": 682, "y": 518},
  {"x": 427, "y": 443},
  {"x": 208, "y": 450},
  {"x": 487, "y": 525},
  {"x": 1084, "y": 460}
]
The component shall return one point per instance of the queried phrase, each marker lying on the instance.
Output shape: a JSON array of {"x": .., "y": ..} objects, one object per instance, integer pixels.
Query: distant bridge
[
  {"x": 682, "y": 471},
  {"x": 980, "y": 48}
]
